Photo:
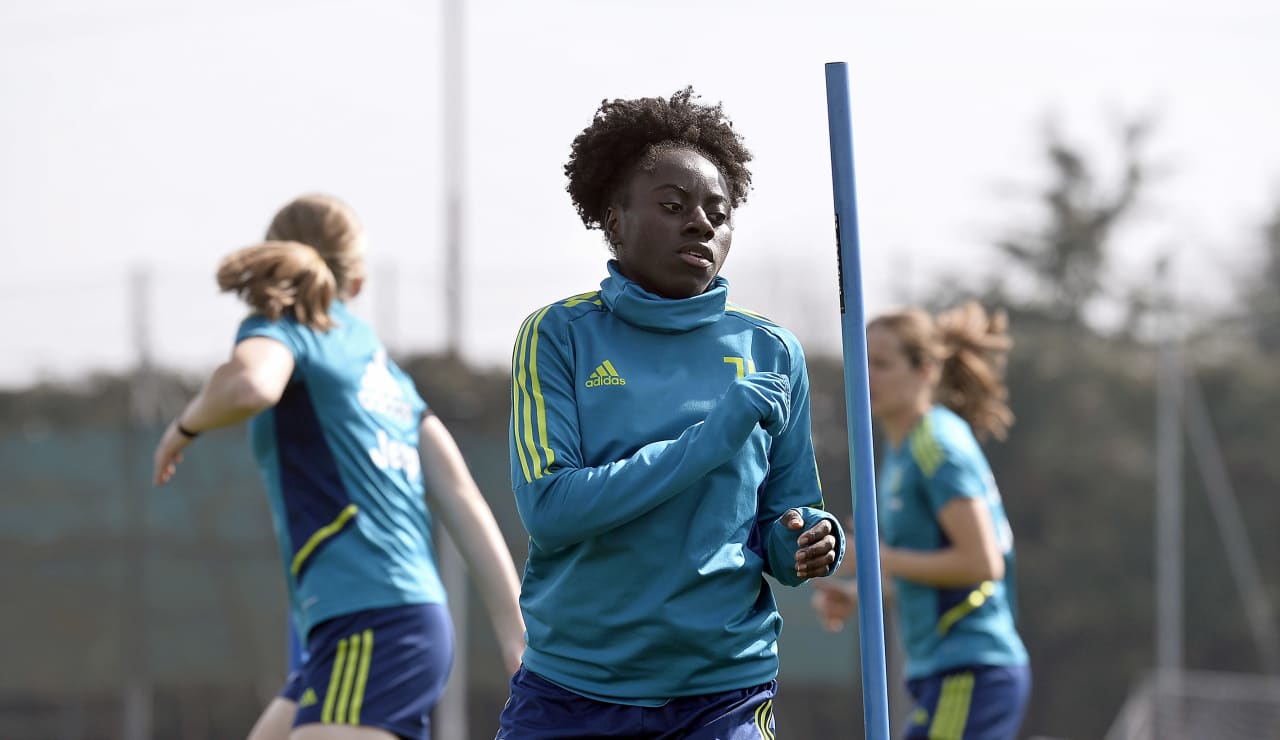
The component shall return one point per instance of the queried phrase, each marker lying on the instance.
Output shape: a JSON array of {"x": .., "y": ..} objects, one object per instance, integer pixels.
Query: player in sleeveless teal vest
[
  {"x": 946, "y": 541},
  {"x": 350, "y": 456},
  {"x": 660, "y": 455}
]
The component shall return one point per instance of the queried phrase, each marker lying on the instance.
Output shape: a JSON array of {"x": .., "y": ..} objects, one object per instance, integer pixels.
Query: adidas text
[{"x": 597, "y": 382}]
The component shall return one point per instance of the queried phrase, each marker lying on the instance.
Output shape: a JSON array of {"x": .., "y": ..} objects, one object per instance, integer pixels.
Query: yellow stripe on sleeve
[
  {"x": 526, "y": 427},
  {"x": 539, "y": 406},
  {"x": 320, "y": 536},
  {"x": 735, "y": 308},
  {"x": 589, "y": 297},
  {"x": 528, "y": 378},
  {"x": 517, "y": 386},
  {"x": 925, "y": 449},
  {"x": 530, "y": 426}
]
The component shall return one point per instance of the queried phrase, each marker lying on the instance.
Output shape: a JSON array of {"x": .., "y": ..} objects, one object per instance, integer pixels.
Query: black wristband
[{"x": 184, "y": 431}]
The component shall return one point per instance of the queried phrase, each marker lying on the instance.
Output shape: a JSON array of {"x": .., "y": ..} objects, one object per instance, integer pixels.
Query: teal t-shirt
[
  {"x": 946, "y": 628},
  {"x": 339, "y": 456}
]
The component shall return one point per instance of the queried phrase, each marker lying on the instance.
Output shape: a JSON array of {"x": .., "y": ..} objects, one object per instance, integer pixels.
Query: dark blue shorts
[
  {"x": 972, "y": 703},
  {"x": 540, "y": 710},
  {"x": 381, "y": 668},
  {"x": 297, "y": 651}
]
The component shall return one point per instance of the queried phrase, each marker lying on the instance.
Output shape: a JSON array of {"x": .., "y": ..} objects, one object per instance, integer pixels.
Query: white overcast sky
[{"x": 163, "y": 134}]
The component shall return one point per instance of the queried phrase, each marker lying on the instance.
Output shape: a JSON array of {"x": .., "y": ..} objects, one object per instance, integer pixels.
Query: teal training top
[
  {"x": 945, "y": 628},
  {"x": 648, "y": 540},
  {"x": 339, "y": 456}
]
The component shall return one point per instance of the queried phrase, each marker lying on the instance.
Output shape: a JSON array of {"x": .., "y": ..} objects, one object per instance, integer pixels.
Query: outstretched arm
[
  {"x": 251, "y": 381},
  {"x": 452, "y": 495}
]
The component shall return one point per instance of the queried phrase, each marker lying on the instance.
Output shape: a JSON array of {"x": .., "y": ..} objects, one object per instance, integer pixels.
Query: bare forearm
[
  {"x": 454, "y": 497},
  {"x": 227, "y": 398},
  {"x": 486, "y": 554},
  {"x": 251, "y": 381},
  {"x": 475, "y": 533},
  {"x": 945, "y": 568}
]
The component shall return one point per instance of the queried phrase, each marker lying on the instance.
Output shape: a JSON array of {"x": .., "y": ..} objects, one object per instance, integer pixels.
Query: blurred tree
[{"x": 1065, "y": 256}]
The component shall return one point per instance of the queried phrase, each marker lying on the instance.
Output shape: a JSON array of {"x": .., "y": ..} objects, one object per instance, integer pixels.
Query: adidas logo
[
  {"x": 308, "y": 698},
  {"x": 605, "y": 374}
]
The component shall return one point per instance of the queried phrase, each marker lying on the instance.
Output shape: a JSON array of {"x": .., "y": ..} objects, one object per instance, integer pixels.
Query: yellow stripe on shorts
[
  {"x": 764, "y": 715},
  {"x": 362, "y": 675},
  {"x": 952, "y": 712},
  {"x": 348, "y": 677},
  {"x": 326, "y": 714},
  {"x": 345, "y": 694}
]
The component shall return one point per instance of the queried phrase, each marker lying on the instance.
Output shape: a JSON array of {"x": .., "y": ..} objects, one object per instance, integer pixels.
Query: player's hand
[
  {"x": 765, "y": 398},
  {"x": 758, "y": 399},
  {"x": 817, "y": 545},
  {"x": 834, "y": 600},
  {"x": 169, "y": 453}
]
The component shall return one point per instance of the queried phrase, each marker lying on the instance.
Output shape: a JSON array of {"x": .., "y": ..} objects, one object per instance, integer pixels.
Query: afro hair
[{"x": 629, "y": 133}]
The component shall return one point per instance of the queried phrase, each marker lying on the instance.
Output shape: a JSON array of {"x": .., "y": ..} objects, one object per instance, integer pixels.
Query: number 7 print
[{"x": 743, "y": 366}]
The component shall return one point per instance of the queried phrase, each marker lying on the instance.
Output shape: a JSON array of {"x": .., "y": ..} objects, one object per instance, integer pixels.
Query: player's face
[
  {"x": 672, "y": 231},
  {"x": 896, "y": 387}
]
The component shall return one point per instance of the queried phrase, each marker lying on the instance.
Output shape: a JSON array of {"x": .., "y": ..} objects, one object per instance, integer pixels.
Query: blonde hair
[
  {"x": 313, "y": 254},
  {"x": 275, "y": 278},
  {"x": 971, "y": 348}
]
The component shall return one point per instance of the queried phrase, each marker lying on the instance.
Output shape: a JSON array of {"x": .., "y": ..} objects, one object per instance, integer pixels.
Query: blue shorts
[
  {"x": 541, "y": 710},
  {"x": 382, "y": 668},
  {"x": 297, "y": 651},
  {"x": 970, "y": 703}
]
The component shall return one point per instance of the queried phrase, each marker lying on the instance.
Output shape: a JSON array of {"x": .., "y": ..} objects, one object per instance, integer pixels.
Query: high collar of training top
[{"x": 639, "y": 307}]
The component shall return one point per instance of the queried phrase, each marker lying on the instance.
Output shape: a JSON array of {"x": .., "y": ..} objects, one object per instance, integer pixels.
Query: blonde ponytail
[
  {"x": 279, "y": 278},
  {"x": 975, "y": 351}
]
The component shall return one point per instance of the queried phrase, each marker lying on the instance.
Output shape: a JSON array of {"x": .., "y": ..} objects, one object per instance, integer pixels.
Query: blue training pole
[{"x": 857, "y": 403}]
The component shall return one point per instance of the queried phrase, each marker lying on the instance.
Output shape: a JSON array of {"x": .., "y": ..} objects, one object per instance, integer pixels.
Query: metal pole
[
  {"x": 1235, "y": 536},
  {"x": 451, "y": 713},
  {"x": 857, "y": 406},
  {"x": 137, "y": 710},
  {"x": 454, "y": 168},
  {"x": 1168, "y": 536}
]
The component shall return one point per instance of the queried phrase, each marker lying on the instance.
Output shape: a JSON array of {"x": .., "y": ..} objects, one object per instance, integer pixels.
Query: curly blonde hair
[{"x": 971, "y": 348}]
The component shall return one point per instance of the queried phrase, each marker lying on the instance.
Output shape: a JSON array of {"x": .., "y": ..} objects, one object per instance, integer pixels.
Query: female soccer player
[
  {"x": 946, "y": 543},
  {"x": 660, "y": 454},
  {"x": 355, "y": 465}
]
